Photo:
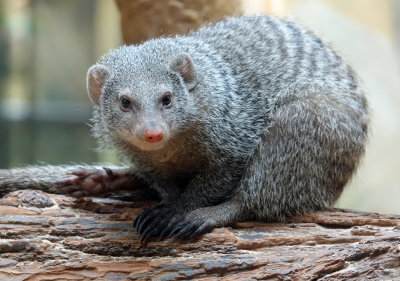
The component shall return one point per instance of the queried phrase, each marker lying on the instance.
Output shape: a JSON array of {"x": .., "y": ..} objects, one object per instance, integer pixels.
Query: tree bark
[
  {"x": 145, "y": 19},
  {"x": 54, "y": 237}
]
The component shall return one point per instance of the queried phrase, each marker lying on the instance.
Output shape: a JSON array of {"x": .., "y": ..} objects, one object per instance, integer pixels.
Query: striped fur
[{"x": 275, "y": 126}]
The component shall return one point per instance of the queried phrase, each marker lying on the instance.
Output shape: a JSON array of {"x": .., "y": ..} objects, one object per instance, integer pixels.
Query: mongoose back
[{"x": 249, "y": 118}]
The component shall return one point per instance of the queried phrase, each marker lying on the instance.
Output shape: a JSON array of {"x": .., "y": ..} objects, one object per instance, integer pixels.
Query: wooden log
[{"x": 55, "y": 237}]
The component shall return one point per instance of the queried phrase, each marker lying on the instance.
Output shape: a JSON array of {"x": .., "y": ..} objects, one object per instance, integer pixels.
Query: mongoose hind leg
[
  {"x": 84, "y": 182},
  {"x": 305, "y": 158}
]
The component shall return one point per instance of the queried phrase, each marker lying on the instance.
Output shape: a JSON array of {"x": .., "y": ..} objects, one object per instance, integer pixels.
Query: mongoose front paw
[
  {"x": 166, "y": 221},
  {"x": 194, "y": 223},
  {"x": 157, "y": 221},
  {"x": 84, "y": 182}
]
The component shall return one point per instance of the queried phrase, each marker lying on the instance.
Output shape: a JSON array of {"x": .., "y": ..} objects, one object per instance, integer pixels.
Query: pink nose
[{"x": 153, "y": 136}]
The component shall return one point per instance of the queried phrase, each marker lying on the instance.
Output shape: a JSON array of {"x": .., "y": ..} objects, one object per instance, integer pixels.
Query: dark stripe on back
[
  {"x": 317, "y": 46},
  {"x": 279, "y": 35},
  {"x": 299, "y": 55},
  {"x": 352, "y": 81}
]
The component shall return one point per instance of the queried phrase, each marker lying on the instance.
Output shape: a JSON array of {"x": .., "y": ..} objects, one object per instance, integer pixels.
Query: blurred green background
[{"x": 46, "y": 46}]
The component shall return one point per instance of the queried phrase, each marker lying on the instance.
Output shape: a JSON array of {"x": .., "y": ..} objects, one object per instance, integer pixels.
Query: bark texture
[
  {"x": 54, "y": 237},
  {"x": 145, "y": 19}
]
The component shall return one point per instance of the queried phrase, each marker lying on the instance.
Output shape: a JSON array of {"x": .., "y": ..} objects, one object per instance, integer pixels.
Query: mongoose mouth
[
  {"x": 146, "y": 145},
  {"x": 150, "y": 146}
]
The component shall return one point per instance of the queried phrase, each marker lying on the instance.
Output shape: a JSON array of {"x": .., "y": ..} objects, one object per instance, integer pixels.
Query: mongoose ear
[
  {"x": 96, "y": 77},
  {"x": 184, "y": 64}
]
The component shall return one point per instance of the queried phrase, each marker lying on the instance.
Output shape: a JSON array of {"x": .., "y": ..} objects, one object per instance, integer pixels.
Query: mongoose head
[{"x": 143, "y": 98}]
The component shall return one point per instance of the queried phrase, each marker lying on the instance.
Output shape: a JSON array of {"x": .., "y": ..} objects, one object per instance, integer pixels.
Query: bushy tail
[{"x": 37, "y": 177}]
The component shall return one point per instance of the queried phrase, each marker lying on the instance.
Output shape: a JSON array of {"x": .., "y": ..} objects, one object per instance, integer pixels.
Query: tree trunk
[
  {"x": 54, "y": 237},
  {"x": 145, "y": 19}
]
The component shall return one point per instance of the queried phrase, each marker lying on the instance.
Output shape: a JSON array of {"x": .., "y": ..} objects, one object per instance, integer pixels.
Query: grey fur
[
  {"x": 274, "y": 126},
  {"x": 36, "y": 177}
]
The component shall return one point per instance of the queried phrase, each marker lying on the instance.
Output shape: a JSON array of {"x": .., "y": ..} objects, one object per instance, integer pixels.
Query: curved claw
[
  {"x": 174, "y": 221},
  {"x": 149, "y": 215},
  {"x": 201, "y": 229},
  {"x": 185, "y": 231},
  {"x": 156, "y": 221},
  {"x": 151, "y": 228},
  {"x": 154, "y": 228},
  {"x": 146, "y": 235},
  {"x": 190, "y": 228},
  {"x": 135, "y": 221},
  {"x": 176, "y": 229},
  {"x": 139, "y": 219},
  {"x": 165, "y": 230},
  {"x": 142, "y": 223}
]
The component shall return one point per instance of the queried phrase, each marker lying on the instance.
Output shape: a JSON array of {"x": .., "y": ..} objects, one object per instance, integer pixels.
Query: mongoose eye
[
  {"x": 126, "y": 104},
  {"x": 167, "y": 100}
]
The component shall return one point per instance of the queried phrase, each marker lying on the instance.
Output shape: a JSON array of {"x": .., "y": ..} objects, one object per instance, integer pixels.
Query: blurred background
[{"x": 46, "y": 46}]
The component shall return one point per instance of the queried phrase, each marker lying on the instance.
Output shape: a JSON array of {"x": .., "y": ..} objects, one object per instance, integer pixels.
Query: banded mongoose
[{"x": 251, "y": 118}]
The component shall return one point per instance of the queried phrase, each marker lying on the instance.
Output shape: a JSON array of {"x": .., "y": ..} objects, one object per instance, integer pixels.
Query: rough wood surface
[
  {"x": 145, "y": 19},
  {"x": 54, "y": 237}
]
